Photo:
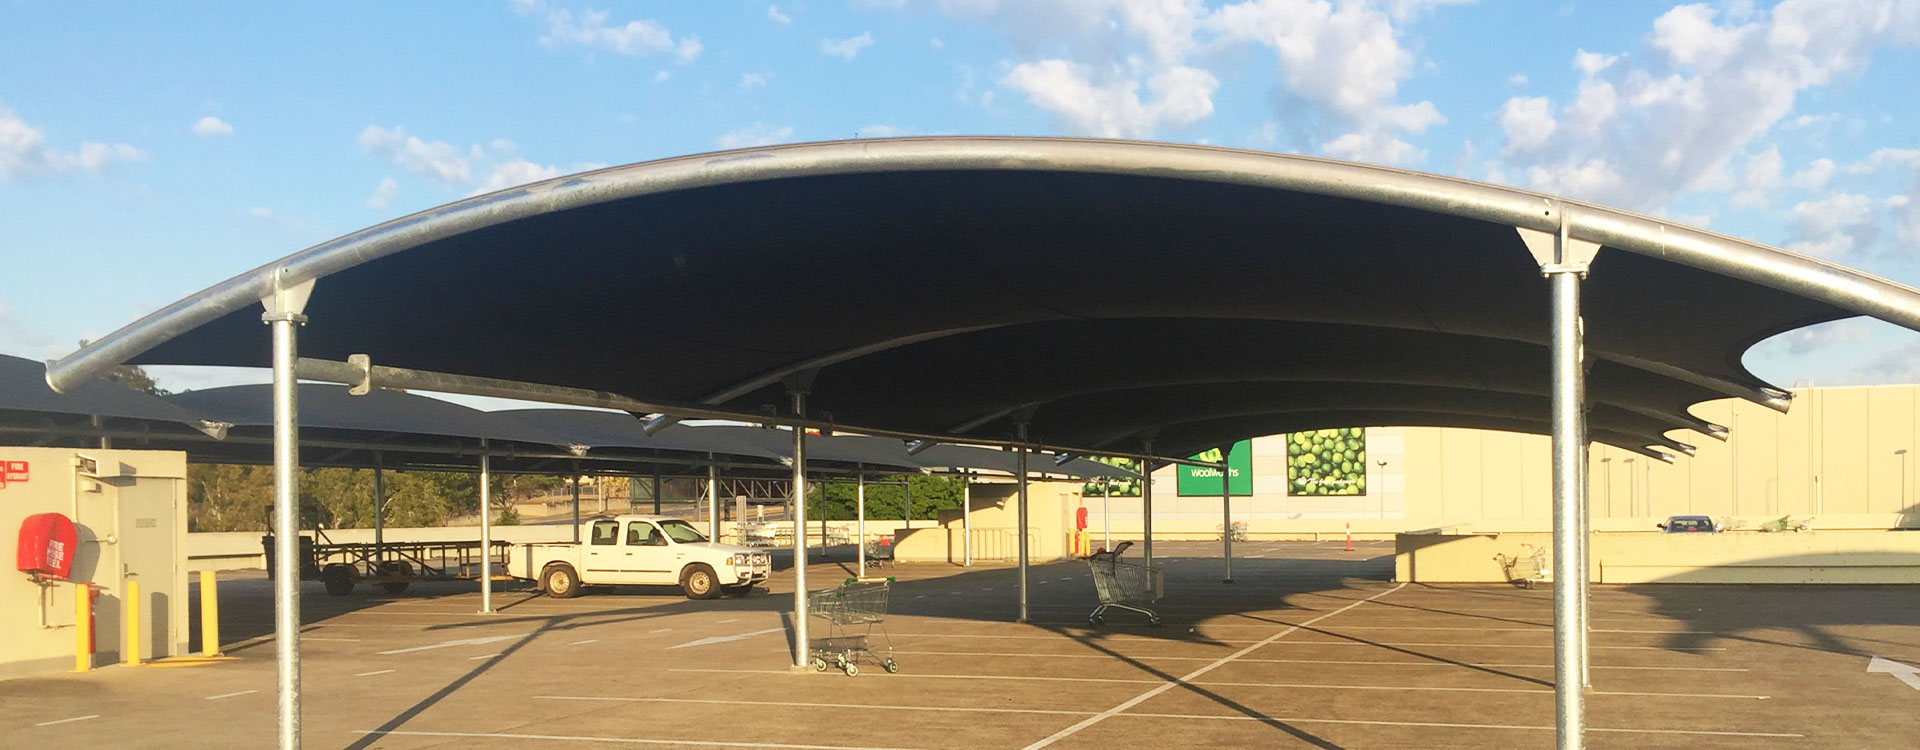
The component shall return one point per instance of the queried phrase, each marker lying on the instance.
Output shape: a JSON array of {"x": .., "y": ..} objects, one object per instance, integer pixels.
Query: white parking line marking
[
  {"x": 1357, "y": 662},
  {"x": 482, "y": 656},
  {"x": 616, "y": 740},
  {"x": 723, "y": 622},
  {"x": 315, "y": 638},
  {"x": 480, "y": 641},
  {"x": 374, "y": 672},
  {"x": 727, "y": 638},
  {"x": 63, "y": 721},
  {"x": 585, "y": 642},
  {"x": 662, "y": 630},
  {"x": 1201, "y": 717},
  {"x": 230, "y": 695}
]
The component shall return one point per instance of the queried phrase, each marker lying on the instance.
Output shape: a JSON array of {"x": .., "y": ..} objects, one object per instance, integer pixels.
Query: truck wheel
[
  {"x": 338, "y": 579},
  {"x": 560, "y": 582},
  {"x": 699, "y": 582}
]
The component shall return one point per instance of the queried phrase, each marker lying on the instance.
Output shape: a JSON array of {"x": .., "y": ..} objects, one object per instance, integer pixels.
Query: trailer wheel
[
  {"x": 560, "y": 581},
  {"x": 338, "y": 579},
  {"x": 396, "y": 568},
  {"x": 699, "y": 582}
]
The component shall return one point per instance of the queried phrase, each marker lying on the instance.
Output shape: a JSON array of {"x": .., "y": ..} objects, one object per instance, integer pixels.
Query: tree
[
  {"x": 224, "y": 497},
  {"x": 887, "y": 501}
]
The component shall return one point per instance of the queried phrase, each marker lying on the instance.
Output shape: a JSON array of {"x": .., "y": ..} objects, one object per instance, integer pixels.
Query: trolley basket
[
  {"x": 852, "y": 613},
  {"x": 1124, "y": 585}
]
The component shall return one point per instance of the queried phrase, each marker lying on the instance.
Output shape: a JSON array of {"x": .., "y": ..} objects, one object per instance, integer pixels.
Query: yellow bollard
[
  {"x": 83, "y": 628},
  {"x": 209, "y": 614},
  {"x": 131, "y": 601}
]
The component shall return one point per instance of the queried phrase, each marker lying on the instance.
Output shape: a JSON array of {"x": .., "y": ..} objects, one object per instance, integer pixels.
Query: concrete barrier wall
[{"x": 1821, "y": 556}]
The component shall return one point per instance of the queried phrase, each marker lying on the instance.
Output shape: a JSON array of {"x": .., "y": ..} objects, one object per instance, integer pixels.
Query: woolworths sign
[
  {"x": 1327, "y": 462},
  {"x": 1197, "y": 480}
]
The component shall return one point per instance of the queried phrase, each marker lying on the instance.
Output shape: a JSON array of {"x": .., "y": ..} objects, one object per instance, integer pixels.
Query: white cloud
[
  {"x": 1815, "y": 175},
  {"x": 757, "y": 134},
  {"x": 593, "y": 29},
  {"x": 261, "y": 212},
  {"x": 383, "y": 194},
  {"x": 24, "y": 152},
  {"x": 1528, "y": 122},
  {"x": 1591, "y": 63},
  {"x": 435, "y": 160},
  {"x": 1762, "y": 176},
  {"x": 1819, "y": 336},
  {"x": 753, "y": 80},
  {"x": 1375, "y": 147},
  {"x": 1110, "y": 106},
  {"x": 880, "y": 131},
  {"x": 515, "y": 173},
  {"x": 1669, "y": 121},
  {"x": 774, "y": 15},
  {"x": 936, "y": 45},
  {"x": 1832, "y": 226},
  {"x": 661, "y": 76},
  {"x": 1899, "y": 158},
  {"x": 211, "y": 126},
  {"x": 848, "y": 48},
  {"x": 1517, "y": 79}
]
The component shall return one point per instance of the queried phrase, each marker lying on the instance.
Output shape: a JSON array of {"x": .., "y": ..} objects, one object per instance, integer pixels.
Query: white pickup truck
[{"x": 636, "y": 549}]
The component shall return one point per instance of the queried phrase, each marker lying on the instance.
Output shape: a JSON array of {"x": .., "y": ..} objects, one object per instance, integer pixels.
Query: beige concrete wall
[
  {"x": 127, "y": 527},
  {"x": 1825, "y": 556},
  {"x": 1051, "y": 507}
]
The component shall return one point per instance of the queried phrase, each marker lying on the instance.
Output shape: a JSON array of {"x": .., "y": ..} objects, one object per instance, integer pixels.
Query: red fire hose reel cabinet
[{"x": 47, "y": 544}]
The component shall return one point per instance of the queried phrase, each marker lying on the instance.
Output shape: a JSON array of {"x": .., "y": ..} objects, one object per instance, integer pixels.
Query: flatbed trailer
[{"x": 393, "y": 566}]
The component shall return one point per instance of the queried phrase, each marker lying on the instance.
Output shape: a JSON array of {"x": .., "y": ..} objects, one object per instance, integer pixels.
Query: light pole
[
  {"x": 1607, "y": 471},
  {"x": 1382, "y": 476},
  {"x": 1902, "y": 453},
  {"x": 1633, "y": 497}
]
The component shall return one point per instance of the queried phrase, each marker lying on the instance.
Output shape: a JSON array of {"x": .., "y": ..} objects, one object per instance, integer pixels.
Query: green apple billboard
[{"x": 1327, "y": 462}]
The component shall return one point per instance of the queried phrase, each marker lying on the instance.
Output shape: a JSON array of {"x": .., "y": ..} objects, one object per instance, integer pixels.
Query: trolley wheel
[
  {"x": 338, "y": 579},
  {"x": 851, "y": 669},
  {"x": 1096, "y": 620},
  {"x": 560, "y": 581},
  {"x": 1154, "y": 621},
  {"x": 699, "y": 582},
  {"x": 891, "y": 667},
  {"x": 1527, "y": 583},
  {"x": 819, "y": 664}
]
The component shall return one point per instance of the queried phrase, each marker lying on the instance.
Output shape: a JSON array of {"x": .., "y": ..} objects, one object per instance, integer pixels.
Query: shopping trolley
[
  {"x": 1123, "y": 585},
  {"x": 1535, "y": 555},
  {"x": 857, "y": 605}
]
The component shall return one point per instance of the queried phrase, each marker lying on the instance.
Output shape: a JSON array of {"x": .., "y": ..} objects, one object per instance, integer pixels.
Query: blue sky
[{"x": 149, "y": 150}]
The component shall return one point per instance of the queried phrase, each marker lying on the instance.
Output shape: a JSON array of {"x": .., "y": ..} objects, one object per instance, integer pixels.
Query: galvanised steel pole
[
  {"x": 486, "y": 529},
  {"x": 1586, "y": 543},
  {"x": 575, "y": 479},
  {"x": 1568, "y": 428},
  {"x": 966, "y": 519},
  {"x": 1020, "y": 468},
  {"x": 1146, "y": 507},
  {"x": 379, "y": 511},
  {"x": 713, "y": 500},
  {"x": 1106, "y": 513},
  {"x": 799, "y": 495},
  {"x": 286, "y": 523},
  {"x": 860, "y": 512},
  {"x": 1226, "y": 514}
]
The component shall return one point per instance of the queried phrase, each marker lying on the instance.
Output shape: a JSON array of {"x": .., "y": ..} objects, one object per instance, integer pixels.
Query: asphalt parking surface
[{"x": 1311, "y": 646}]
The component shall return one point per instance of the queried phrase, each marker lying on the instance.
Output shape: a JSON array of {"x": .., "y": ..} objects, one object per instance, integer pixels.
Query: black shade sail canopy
[
  {"x": 1109, "y": 293},
  {"x": 23, "y": 390}
]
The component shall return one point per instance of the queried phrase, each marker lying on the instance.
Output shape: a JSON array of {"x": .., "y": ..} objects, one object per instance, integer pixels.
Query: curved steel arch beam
[{"x": 1807, "y": 277}]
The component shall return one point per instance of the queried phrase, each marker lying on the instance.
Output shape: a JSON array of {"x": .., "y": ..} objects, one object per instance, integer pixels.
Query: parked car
[
  {"x": 1689, "y": 525},
  {"x": 637, "y": 549}
]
